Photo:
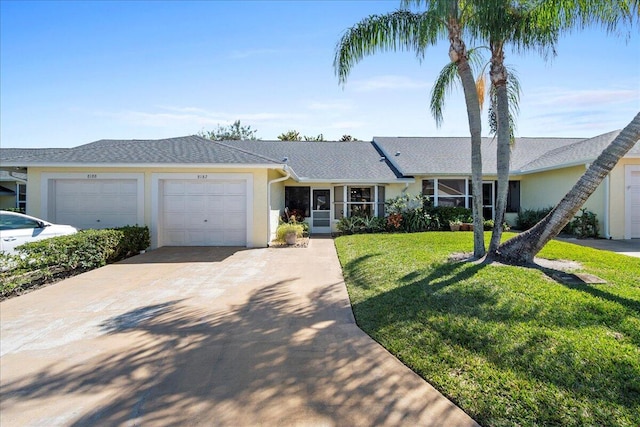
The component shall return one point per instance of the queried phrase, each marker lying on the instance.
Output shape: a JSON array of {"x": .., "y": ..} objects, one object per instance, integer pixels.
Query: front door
[
  {"x": 488, "y": 196},
  {"x": 320, "y": 211}
]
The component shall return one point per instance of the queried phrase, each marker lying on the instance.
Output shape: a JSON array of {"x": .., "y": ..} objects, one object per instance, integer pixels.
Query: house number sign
[
  {"x": 92, "y": 176},
  {"x": 203, "y": 176}
]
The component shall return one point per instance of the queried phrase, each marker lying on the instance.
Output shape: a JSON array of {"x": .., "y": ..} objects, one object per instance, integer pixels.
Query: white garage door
[
  {"x": 633, "y": 200},
  {"x": 204, "y": 213},
  {"x": 86, "y": 203}
]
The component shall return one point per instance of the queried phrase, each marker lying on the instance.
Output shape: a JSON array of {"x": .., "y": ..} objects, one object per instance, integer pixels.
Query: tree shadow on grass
[{"x": 475, "y": 316}]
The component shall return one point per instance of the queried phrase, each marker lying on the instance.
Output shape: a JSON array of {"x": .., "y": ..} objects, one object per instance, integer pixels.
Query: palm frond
[
  {"x": 480, "y": 89},
  {"x": 443, "y": 85},
  {"x": 399, "y": 30},
  {"x": 513, "y": 91}
]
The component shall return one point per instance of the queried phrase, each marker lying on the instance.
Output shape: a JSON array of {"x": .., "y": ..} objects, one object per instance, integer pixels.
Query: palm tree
[
  {"x": 523, "y": 248},
  {"x": 406, "y": 30},
  {"x": 527, "y": 26}
]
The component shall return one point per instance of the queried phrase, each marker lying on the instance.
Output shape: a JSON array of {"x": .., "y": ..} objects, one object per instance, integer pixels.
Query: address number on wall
[
  {"x": 92, "y": 175},
  {"x": 203, "y": 176}
]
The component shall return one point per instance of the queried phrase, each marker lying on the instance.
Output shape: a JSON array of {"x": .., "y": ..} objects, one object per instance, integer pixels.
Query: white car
[{"x": 17, "y": 228}]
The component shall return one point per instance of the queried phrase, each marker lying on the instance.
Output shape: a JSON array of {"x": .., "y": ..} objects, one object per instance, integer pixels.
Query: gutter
[
  {"x": 273, "y": 181},
  {"x": 607, "y": 203}
]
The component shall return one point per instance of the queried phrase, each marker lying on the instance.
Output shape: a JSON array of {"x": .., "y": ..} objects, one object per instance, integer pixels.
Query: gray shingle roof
[
  {"x": 16, "y": 154},
  {"x": 181, "y": 150},
  {"x": 578, "y": 153},
  {"x": 329, "y": 161},
  {"x": 451, "y": 155}
]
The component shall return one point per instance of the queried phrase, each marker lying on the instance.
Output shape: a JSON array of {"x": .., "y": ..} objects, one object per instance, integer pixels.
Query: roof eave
[{"x": 150, "y": 165}]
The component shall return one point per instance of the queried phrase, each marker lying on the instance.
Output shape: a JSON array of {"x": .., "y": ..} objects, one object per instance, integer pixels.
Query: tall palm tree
[
  {"x": 406, "y": 30},
  {"x": 528, "y": 25},
  {"x": 523, "y": 248}
]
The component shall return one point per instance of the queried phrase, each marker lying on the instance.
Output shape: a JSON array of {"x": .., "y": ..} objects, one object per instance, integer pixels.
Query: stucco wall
[{"x": 546, "y": 189}]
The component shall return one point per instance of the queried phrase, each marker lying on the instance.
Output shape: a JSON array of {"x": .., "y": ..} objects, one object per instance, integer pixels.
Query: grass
[{"x": 509, "y": 345}]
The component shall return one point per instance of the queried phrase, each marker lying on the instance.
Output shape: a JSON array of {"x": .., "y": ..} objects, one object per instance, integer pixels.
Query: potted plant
[
  {"x": 288, "y": 232},
  {"x": 455, "y": 224}
]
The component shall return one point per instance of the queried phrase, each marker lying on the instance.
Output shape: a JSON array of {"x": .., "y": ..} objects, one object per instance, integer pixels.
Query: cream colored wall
[
  {"x": 258, "y": 237},
  {"x": 617, "y": 198},
  {"x": 546, "y": 189}
]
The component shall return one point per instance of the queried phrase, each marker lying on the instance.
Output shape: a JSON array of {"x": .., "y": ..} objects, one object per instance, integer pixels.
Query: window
[
  {"x": 21, "y": 197},
  {"x": 447, "y": 192},
  {"x": 513, "y": 197},
  {"x": 297, "y": 200},
  {"x": 358, "y": 201},
  {"x": 15, "y": 222}
]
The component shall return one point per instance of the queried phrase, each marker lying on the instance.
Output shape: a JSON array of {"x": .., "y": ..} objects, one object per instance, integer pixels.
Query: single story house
[{"x": 192, "y": 191}]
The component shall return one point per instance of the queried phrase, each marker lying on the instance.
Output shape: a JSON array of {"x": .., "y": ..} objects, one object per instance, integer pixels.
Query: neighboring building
[
  {"x": 13, "y": 190},
  {"x": 192, "y": 191}
]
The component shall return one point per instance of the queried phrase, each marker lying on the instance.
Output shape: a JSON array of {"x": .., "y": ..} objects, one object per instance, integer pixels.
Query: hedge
[{"x": 62, "y": 256}]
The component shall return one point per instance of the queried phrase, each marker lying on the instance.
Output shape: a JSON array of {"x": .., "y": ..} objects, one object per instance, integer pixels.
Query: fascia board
[{"x": 148, "y": 165}]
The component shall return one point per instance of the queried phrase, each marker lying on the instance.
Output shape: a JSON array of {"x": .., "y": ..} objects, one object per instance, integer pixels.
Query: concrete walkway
[
  {"x": 629, "y": 247},
  {"x": 205, "y": 336}
]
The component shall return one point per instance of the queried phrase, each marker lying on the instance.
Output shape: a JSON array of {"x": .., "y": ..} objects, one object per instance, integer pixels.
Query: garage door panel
[
  {"x": 172, "y": 220},
  {"x": 238, "y": 187},
  {"x": 215, "y": 188},
  {"x": 235, "y": 238},
  {"x": 235, "y": 203},
  {"x": 235, "y": 222},
  {"x": 213, "y": 213},
  {"x": 195, "y": 203},
  {"x": 89, "y": 203}
]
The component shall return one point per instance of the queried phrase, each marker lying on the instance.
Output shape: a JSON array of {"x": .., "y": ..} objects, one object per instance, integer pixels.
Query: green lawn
[{"x": 509, "y": 345}]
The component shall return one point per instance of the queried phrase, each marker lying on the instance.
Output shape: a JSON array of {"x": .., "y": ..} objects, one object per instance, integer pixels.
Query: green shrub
[
  {"x": 61, "y": 256},
  {"x": 288, "y": 227},
  {"x": 530, "y": 217},
  {"x": 359, "y": 224},
  {"x": 443, "y": 215},
  {"x": 134, "y": 240},
  {"x": 585, "y": 225}
]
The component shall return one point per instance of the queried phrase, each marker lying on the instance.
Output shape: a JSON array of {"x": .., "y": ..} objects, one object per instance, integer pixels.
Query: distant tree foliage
[
  {"x": 233, "y": 132},
  {"x": 320, "y": 137},
  {"x": 348, "y": 138},
  {"x": 290, "y": 135},
  {"x": 294, "y": 135}
]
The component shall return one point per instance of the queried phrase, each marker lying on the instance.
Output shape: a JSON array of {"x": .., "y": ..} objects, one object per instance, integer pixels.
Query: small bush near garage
[{"x": 47, "y": 260}]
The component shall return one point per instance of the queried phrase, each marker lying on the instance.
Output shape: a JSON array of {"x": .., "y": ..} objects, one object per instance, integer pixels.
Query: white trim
[
  {"x": 48, "y": 178},
  {"x": 156, "y": 179},
  {"x": 627, "y": 199},
  {"x": 327, "y": 229}
]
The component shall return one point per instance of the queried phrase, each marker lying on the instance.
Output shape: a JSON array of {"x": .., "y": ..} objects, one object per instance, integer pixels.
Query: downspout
[
  {"x": 606, "y": 208},
  {"x": 273, "y": 181}
]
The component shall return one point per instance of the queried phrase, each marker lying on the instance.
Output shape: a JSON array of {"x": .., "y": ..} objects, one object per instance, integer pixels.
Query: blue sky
[{"x": 74, "y": 72}]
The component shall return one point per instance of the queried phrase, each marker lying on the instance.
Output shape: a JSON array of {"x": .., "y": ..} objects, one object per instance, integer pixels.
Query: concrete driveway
[{"x": 205, "y": 336}]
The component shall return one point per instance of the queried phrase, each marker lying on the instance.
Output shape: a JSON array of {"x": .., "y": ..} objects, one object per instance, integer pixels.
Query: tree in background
[
  {"x": 294, "y": 135},
  {"x": 347, "y": 138},
  {"x": 320, "y": 137},
  {"x": 233, "y": 132},
  {"x": 290, "y": 135}
]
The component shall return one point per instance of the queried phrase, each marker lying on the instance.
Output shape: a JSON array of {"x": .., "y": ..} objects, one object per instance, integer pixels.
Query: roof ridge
[{"x": 241, "y": 150}]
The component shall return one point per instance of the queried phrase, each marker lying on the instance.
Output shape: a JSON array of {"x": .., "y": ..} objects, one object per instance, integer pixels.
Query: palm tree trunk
[
  {"x": 458, "y": 54},
  {"x": 499, "y": 77},
  {"x": 475, "y": 128},
  {"x": 524, "y": 247}
]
